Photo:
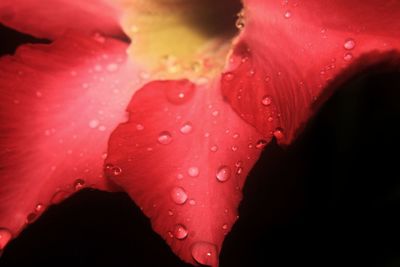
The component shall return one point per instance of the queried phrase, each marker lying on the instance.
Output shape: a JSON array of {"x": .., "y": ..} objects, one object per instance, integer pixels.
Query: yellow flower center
[{"x": 181, "y": 38}]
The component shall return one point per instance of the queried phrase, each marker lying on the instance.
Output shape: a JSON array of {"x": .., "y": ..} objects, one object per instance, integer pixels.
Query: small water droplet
[
  {"x": 266, "y": 101},
  {"x": 215, "y": 113},
  {"x": 94, "y": 123},
  {"x": 78, "y": 184},
  {"x": 239, "y": 171},
  {"x": 186, "y": 128},
  {"x": 192, "y": 202},
  {"x": 240, "y": 20},
  {"x": 205, "y": 253},
  {"x": 278, "y": 133},
  {"x": 234, "y": 148},
  {"x": 59, "y": 196},
  {"x": 180, "y": 231},
  {"x": 261, "y": 144},
  {"x": 170, "y": 213},
  {"x": 228, "y": 76},
  {"x": 164, "y": 138},
  {"x": 348, "y": 56},
  {"x": 349, "y": 44},
  {"x": 179, "y": 176},
  {"x": 223, "y": 173},
  {"x": 178, "y": 195},
  {"x": 112, "y": 67},
  {"x": 39, "y": 207},
  {"x": 139, "y": 127},
  {"x": 5, "y": 237},
  {"x": 235, "y": 136},
  {"x": 214, "y": 148},
  {"x": 31, "y": 217},
  {"x": 193, "y": 171},
  {"x": 225, "y": 226},
  {"x": 288, "y": 14},
  {"x": 180, "y": 94}
]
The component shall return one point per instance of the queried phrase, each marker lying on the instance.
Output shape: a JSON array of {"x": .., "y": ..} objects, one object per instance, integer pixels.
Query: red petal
[
  {"x": 51, "y": 18},
  {"x": 58, "y": 106},
  {"x": 183, "y": 157},
  {"x": 291, "y": 51}
]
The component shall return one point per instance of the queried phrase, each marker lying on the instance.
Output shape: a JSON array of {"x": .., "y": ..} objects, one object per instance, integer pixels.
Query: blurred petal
[
  {"x": 51, "y": 18},
  {"x": 291, "y": 52},
  {"x": 183, "y": 157},
  {"x": 59, "y": 104}
]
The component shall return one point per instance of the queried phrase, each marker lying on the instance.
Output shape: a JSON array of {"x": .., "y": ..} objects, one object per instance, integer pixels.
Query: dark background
[{"x": 330, "y": 199}]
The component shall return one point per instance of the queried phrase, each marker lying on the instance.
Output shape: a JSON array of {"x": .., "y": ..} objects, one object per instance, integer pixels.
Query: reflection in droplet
[
  {"x": 180, "y": 232},
  {"x": 164, "y": 138},
  {"x": 205, "y": 253},
  {"x": 223, "y": 173},
  {"x": 39, "y": 207},
  {"x": 178, "y": 195}
]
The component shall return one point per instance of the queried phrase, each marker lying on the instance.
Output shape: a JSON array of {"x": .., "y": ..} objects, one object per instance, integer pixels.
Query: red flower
[{"x": 187, "y": 145}]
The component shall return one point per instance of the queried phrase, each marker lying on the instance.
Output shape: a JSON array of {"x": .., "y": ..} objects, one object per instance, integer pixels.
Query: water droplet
[
  {"x": 228, "y": 77},
  {"x": 266, "y": 101},
  {"x": 180, "y": 94},
  {"x": 223, "y": 173},
  {"x": 179, "y": 176},
  {"x": 180, "y": 232},
  {"x": 139, "y": 127},
  {"x": 170, "y": 213},
  {"x": 94, "y": 123},
  {"x": 288, "y": 14},
  {"x": 170, "y": 234},
  {"x": 116, "y": 170},
  {"x": 278, "y": 133},
  {"x": 214, "y": 148},
  {"x": 261, "y": 144},
  {"x": 192, "y": 202},
  {"x": 235, "y": 136},
  {"x": 112, "y": 67},
  {"x": 225, "y": 226},
  {"x": 99, "y": 38},
  {"x": 78, "y": 184},
  {"x": 240, "y": 20},
  {"x": 234, "y": 148},
  {"x": 193, "y": 171},
  {"x": 239, "y": 171},
  {"x": 59, "y": 196},
  {"x": 348, "y": 56},
  {"x": 31, "y": 217},
  {"x": 39, "y": 207},
  {"x": 164, "y": 138},
  {"x": 205, "y": 253},
  {"x": 178, "y": 195},
  {"x": 349, "y": 44},
  {"x": 5, "y": 237},
  {"x": 215, "y": 113},
  {"x": 186, "y": 128}
]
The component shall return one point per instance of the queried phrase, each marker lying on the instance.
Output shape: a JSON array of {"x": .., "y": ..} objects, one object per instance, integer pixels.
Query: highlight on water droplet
[
  {"x": 39, "y": 207},
  {"x": 165, "y": 138},
  {"x": 180, "y": 231},
  {"x": 186, "y": 128},
  {"x": 139, "y": 127},
  {"x": 266, "y": 101},
  {"x": 178, "y": 195},
  {"x": 205, "y": 253},
  {"x": 5, "y": 237},
  {"x": 193, "y": 171},
  {"x": 78, "y": 184},
  {"x": 287, "y": 14},
  {"x": 349, "y": 44},
  {"x": 278, "y": 133},
  {"x": 116, "y": 170},
  {"x": 225, "y": 226},
  {"x": 223, "y": 173}
]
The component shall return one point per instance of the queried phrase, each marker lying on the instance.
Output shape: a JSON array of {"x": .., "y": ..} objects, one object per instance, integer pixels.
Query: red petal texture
[
  {"x": 183, "y": 156},
  {"x": 290, "y": 52},
  {"x": 58, "y": 106},
  {"x": 51, "y": 18}
]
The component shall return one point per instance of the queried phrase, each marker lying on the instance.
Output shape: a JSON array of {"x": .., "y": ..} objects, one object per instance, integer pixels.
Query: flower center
[{"x": 181, "y": 38}]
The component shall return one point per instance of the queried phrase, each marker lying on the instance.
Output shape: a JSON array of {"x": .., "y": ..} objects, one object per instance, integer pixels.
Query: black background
[{"x": 330, "y": 199}]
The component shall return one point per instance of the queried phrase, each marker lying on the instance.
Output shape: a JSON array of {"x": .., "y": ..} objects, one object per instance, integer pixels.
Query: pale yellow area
[{"x": 178, "y": 38}]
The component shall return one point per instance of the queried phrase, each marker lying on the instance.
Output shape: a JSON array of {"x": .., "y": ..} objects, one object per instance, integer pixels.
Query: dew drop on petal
[
  {"x": 261, "y": 144},
  {"x": 94, "y": 123},
  {"x": 348, "y": 56},
  {"x": 278, "y": 133},
  {"x": 214, "y": 148},
  {"x": 5, "y": 237},
  {"x": 39, "y": 207},
  {"x": 266, "y": 101},
  {"x": 349, "y": 44},
  {"x": 205, "y": 253},
  {"x": 193, "y": 171},
  {"x": 170, "y": 213},
  {"x": 164, "y": 138},
  {"x": 239, "y": 171},
  {"x": 178, "y": 195},
  {"x": 180, "y": 231},
  {"x": 78, "y": 184},
  {"x": 112, "y": 67},
  {"x": 192, "y": 202},
  {"x": 186, "y": 128},
  {"x": 31, "y": 217},
  {"x": 227, "y": 77},
  {"x": 223, "y": 173},
  {"x": 287, "y": 14},
  {"x": 225, "y": 226},
  {"x": 181, "y": 94},
  {"x": 139, "y": 127},
  {"x": 58, "y": 197}
]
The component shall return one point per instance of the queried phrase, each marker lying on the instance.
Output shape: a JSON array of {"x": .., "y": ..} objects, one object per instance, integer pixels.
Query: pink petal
[
  {"x": 51, "y": 18},
  {"x": 291, "y": 52},
  {"x": 59, "y": 104},
  {"x": 183, "y": 157}
]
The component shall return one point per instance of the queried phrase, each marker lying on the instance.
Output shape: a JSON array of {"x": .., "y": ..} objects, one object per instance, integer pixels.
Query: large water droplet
[
  {"x": 266, "y": 101},
  {"x": 193, "y": 171},
  {"x": 223, "y": 173},
  {"x": 178, "y": 195},
  {"x": 5, "y": 237},
  {"x": 186, "y": 128},
  {"x": 349, "y": 44},
  {"x": 164, "y": 138},
  {"x": 180, "y": 231},
  {"x": 205, "y": 253}
]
